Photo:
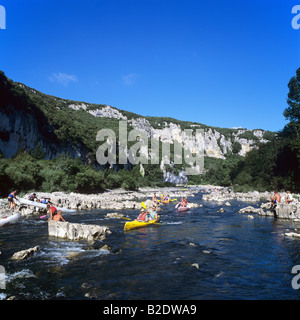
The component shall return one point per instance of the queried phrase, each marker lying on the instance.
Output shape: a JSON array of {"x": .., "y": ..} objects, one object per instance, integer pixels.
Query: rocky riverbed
[{"x": 120, "y": 199}]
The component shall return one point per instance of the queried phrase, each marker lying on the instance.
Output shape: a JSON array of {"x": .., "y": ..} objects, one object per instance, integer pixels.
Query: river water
[{"x": 195, "y": 255}]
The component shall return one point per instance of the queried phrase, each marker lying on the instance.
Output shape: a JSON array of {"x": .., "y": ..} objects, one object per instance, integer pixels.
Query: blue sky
[{"x": 220, "y": 63}]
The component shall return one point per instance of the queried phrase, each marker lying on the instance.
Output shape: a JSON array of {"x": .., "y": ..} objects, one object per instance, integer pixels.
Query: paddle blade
[
  {"x": 42, "y": 217},
  {"x": 143, "y": 205}
]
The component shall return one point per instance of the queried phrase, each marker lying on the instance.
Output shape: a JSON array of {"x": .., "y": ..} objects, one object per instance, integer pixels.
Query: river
[{"x": 194, "y": 255}]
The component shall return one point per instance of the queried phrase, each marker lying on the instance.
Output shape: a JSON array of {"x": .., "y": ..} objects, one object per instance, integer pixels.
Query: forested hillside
[{"x": 48, "y": 143}]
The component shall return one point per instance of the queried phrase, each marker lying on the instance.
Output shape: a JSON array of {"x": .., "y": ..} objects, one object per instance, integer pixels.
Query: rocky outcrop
[
  {"x": 21, "y": 130},
  {"x": 282, "y": 211},
  {"x": 250, "y": 209},
  {"x": 115, "y": 199},
  {"x": 252, "y": 196},
  {"x": 76, "y": 231},
  {"x": 24, "y": 254},
  {"x": 292, "y": 234},
  {"x": 287, "y": 211}
]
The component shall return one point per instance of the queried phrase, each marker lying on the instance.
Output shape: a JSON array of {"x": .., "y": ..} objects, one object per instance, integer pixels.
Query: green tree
[{"x": 292, "y": 112}]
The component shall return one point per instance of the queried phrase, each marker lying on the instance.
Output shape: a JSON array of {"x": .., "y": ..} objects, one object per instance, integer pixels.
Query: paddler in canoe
[
  {"x": 153, "y": 214},
  {"x": 146, "y": 216},
  {"x": 183, "y": 203},
  {"x": 165, "y": 199}
]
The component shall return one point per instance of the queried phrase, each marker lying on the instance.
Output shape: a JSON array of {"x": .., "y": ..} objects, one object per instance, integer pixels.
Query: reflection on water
[{"x": 199, "y": 254}]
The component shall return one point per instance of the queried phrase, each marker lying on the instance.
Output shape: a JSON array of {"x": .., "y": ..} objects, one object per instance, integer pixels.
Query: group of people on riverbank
[
  {"x": 276, "y": 198},
  {"x": 33, "y": 197},
  {"x": 55, "y": 214}
]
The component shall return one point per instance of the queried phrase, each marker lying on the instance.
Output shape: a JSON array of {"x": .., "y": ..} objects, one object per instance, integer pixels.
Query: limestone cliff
[{"x": 30, "y": 118}]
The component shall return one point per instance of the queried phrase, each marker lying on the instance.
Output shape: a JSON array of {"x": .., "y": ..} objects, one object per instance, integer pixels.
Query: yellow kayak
[{"x": 130, "y": 225}]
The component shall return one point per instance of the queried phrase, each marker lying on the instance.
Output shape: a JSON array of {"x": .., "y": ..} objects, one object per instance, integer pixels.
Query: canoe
[
  {"x": 43, "y": 205},
  {"x": 165, "y": 201},
  {"x": 183, "y": 209},
  {"x": 130, "y": 225},
  {"x": 10, "y": 219}
]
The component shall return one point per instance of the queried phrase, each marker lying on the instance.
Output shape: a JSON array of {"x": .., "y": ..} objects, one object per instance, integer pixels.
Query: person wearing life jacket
[
  {"x": 33, "y": 197},
  {"x": 153, "y": 214},
  {"x": 46, "y": 200},
  {"x": 52, "y": 210},
  {"x": 11, "y": 201},
  {"x": 183, "y": 202},
  {"x": 143, "y": 216}
]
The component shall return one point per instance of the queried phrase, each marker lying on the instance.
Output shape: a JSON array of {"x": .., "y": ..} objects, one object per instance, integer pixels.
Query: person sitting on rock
[
  {"x": 274, "y": 201},
  {"x": 288, "y": 198},
  {"x": 276, "y": 198}
]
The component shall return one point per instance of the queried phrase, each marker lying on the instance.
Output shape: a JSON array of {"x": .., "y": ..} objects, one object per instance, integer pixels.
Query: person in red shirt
[
  {"x": 144, "y": 216},
  {"x": 55, "y": 214}
]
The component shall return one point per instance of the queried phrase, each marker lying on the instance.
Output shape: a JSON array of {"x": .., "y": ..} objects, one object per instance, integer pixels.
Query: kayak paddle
[{"x": 143, "y": 205}]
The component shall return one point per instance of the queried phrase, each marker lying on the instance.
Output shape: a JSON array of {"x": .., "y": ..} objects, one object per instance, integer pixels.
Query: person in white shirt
[{"x": 288, "y": 197}]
